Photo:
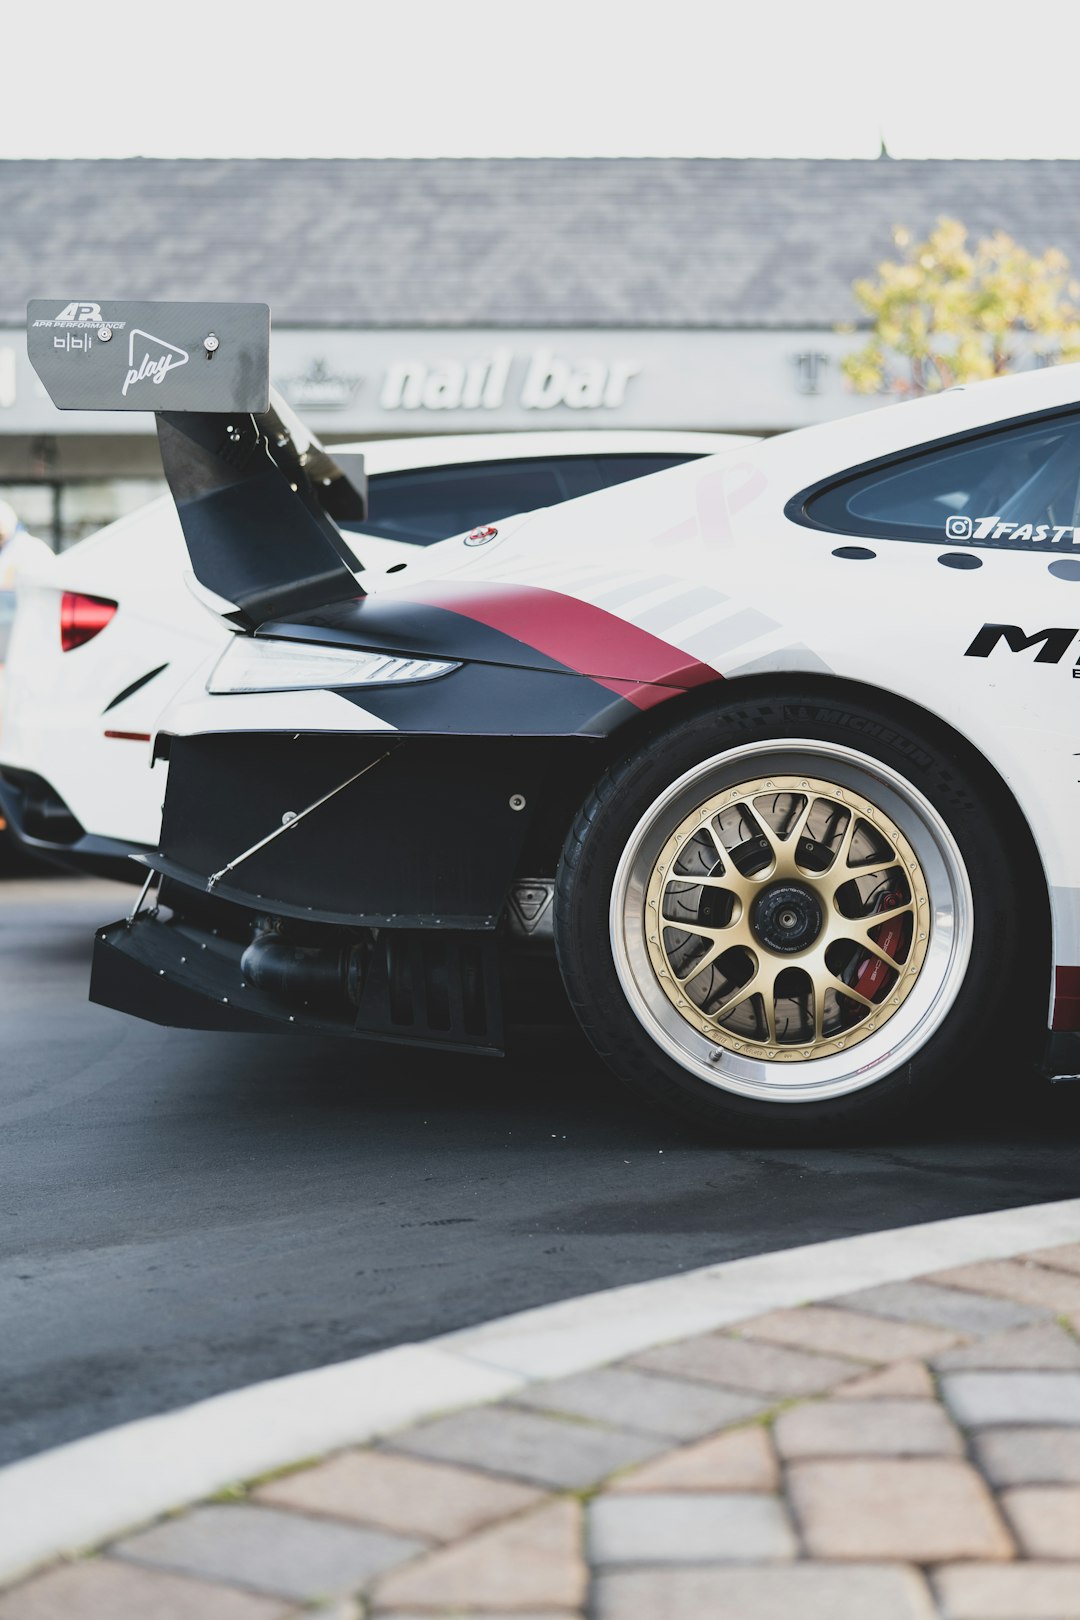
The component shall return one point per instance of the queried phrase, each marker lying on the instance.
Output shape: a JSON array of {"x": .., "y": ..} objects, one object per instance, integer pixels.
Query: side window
[
  {"x": 426, "y": 504},
  {"x": 429, "y": 503},
  {"x": 620, "y": 469},
  {"x": 1017, "y": 488}
]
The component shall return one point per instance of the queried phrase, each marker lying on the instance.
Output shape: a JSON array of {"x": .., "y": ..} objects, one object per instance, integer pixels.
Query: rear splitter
[{"x": 440, "y": 990}]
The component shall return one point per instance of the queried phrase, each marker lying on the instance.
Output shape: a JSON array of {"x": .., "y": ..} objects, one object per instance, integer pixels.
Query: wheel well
[{"x": 578, "y": 770}]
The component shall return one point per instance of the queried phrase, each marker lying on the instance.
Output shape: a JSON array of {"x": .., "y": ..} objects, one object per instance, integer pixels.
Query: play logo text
[{"x": 150, "y": 359}]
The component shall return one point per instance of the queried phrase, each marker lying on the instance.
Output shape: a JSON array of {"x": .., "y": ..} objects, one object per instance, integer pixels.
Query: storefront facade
[{"x": 69, "y": 472}]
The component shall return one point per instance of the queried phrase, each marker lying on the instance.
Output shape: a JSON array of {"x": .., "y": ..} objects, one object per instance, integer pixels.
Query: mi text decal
[{"x": 1052, "y": 644}]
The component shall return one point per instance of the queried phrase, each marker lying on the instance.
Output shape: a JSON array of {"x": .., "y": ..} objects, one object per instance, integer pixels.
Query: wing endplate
[{"x": 125, "y": 355}]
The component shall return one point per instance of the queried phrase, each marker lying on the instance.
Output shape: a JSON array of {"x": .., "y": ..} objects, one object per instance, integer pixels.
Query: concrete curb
[{"x": 77, "y": 1495}]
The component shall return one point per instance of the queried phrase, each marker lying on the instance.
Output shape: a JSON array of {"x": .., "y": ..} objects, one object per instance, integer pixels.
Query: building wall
[
  {"x": 427, "y": 381},
  {"x": 72, "y": 471}
]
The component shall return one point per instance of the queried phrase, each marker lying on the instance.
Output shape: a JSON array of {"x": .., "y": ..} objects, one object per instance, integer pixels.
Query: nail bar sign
[{"x": 546, "y": 379}]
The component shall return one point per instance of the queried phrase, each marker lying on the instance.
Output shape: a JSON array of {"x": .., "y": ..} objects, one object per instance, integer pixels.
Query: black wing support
[{"x": 258, "y": 496}]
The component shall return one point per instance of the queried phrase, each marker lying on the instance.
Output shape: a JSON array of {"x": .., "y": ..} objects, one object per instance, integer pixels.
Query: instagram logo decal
[{"x": 992, "y": 528}]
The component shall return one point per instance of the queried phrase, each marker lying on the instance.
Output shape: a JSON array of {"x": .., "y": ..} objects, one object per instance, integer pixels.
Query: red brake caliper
[{"x": 872, "y": 973}]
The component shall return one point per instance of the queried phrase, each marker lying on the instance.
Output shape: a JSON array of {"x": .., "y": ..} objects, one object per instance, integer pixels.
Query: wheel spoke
[
  {"x": 799, "y": 829},
  {"x": 768, "y": 996},
  {"x": 728, "y": 1007},
  {"x": 823, "y": 980},
  {"x": 785, "y": 920},
  {"x": 839, "y": 871},
  {"x": 731, "y": 872},
  {"x": 843, "y": 989},
  {"x": 859, "y": 927},
  {"x": 730, "y": 881},
  {"x": 715, "y": 950},
  {"x": 774, "y": 841},
  {"x": 785, "y": 850},
  {"x": 819, "y": 1012},
  {"x": 730, "y": 933},
  {"x": 865, "y": 943},
  {"x": 723, "y": 881},
  {"x": 721, "y": 848},
  {"x": 858, "y": 931}
]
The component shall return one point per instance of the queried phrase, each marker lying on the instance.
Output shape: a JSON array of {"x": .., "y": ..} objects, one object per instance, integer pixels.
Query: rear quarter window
[
  {"x": 1017, "y": 488},
  {"x": 426, "y": 504}
]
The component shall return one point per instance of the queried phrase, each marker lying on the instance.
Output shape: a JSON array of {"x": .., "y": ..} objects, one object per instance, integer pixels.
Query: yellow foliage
[{"x": 946, "y": 314}]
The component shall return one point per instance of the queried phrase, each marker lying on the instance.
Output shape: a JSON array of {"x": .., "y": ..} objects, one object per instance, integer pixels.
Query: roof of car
[
  {"x": 441, "y": 450},
  {"x": 504, "y": 242}
]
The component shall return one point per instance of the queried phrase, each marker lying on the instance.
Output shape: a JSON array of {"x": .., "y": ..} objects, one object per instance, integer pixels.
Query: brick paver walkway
[{"x": 906, "y": 1452}]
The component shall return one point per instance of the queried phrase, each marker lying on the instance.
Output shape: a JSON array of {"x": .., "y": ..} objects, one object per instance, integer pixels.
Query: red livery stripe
[{"x": 587, "y": 639}]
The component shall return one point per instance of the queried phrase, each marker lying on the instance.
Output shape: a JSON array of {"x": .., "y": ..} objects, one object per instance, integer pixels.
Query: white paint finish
[
  {"x": 94, "y": 1489},
  {"x": 53, "y": 720},
  {"x": 287, "y": 712}
]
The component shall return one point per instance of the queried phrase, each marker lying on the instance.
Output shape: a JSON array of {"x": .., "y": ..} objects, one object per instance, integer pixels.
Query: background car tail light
[{"x": 82, "y": 617}]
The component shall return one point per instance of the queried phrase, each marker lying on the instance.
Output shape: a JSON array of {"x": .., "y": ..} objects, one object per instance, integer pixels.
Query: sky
[{"x": 409, "y": 78}]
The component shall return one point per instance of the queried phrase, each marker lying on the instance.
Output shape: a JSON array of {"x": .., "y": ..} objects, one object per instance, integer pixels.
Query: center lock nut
[{"x": 787, "y": 917}]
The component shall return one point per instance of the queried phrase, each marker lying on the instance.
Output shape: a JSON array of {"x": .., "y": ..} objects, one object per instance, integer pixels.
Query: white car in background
[{"x": 108, "y": 633}]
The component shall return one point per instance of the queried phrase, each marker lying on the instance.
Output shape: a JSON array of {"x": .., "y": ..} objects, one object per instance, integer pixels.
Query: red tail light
[{"x": 82, "y": 617}]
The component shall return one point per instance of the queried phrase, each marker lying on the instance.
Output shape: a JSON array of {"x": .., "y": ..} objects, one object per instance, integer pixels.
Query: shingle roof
[{"x": 664, "y": 242}]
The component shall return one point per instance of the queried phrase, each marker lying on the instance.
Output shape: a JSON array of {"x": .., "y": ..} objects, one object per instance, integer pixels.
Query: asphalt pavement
[{"x": 183, "y": 1213}]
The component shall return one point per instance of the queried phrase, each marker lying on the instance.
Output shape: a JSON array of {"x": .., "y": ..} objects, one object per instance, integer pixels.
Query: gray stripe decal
[
  {"x": 730, "y": 633},
  {"x": 626, "y": 593},
  {"x": 678, "y": 608}
]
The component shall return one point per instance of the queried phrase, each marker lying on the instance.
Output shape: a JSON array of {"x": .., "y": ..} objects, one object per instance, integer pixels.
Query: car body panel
[
  {"x": 706, "y": 559},
  {"x": 66, "y": 721}
]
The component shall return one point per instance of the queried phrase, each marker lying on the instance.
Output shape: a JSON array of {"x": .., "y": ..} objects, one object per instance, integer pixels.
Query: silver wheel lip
[{"x": 913, "y": 1024}]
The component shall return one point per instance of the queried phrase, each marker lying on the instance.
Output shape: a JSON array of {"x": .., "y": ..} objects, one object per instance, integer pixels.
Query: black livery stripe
[
  {"x": 520, "y": 626},
  {"x": 499, "y": 701}
]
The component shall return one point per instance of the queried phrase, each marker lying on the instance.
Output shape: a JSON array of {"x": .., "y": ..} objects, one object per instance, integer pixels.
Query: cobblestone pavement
[{"x": 909, "y": 1451}]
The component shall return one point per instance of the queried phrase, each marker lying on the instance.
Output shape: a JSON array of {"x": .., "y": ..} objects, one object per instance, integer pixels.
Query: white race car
[
  {"x": 107, "y": 632},
  {"x": 775, "y": 753}
]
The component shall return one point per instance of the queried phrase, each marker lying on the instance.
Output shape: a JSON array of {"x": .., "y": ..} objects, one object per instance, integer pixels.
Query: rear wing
[{"x": 258, "y": 496}]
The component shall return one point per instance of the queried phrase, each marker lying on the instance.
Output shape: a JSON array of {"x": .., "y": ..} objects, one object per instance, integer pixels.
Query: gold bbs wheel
[
  {"x": 791, "y": 921},
  {"x": 787, "y": 916}
]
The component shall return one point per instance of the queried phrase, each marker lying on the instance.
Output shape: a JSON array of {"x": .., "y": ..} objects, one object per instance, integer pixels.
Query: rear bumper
[{"x": 352, "y": 885}]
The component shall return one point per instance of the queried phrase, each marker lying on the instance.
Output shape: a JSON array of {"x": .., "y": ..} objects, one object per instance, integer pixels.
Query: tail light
[{"x": 82, "y": 617}]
